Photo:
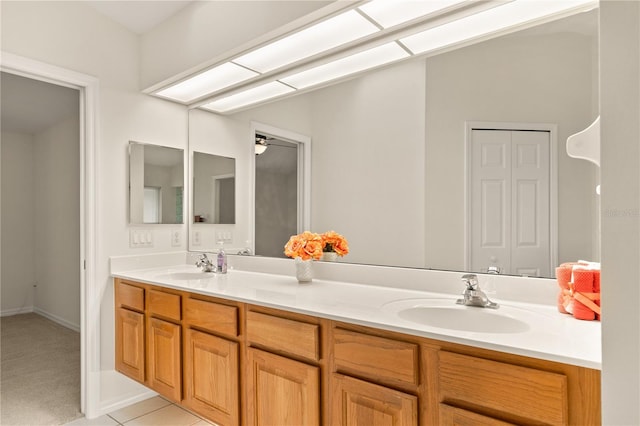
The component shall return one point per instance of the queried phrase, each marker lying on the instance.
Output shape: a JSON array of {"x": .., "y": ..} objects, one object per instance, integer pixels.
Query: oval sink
[
  {"x": 444, "y": 313},
  {"x": 186, "y": 276}
]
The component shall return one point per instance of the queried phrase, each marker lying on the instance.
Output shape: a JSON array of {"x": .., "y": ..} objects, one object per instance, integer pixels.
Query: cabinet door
[
  {"x": 211, "y": 377},
  {"x": 356, "y": 402},
  {"x": 450, "y": 416},
  {"x": 281, "y": 391},
  {"x": 164, "y": 358},
  {"x": 130, "y": 343}
]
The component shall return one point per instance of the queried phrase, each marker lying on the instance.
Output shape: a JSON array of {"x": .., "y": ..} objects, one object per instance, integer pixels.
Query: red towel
[
  {"x": 563, "y": 275},
  {"x": 596, "y": 289},
  {"x": 583, "y": 281}
]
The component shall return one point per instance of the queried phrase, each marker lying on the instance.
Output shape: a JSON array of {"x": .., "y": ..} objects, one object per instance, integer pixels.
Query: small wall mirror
[
  {"x": 156, "y": 184},
  {"x": 214, "y": 189}
]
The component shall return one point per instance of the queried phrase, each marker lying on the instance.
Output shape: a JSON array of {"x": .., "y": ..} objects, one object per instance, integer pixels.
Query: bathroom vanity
[{"x": 257, "y": 348}]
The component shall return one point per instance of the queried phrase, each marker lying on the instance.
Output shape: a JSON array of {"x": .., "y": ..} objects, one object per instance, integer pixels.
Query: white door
[{"x": 510, "y": 207}]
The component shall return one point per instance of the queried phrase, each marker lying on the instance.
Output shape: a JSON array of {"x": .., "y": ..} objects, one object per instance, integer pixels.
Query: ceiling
[
  {"x": 31, "y": 106},
  {"x": 139, "y": 16}
]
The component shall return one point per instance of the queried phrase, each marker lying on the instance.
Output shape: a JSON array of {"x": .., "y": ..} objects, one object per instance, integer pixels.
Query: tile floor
[{"x": 155, "y": 411}]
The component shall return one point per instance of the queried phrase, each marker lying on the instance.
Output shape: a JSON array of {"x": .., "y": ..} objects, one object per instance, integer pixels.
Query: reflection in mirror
[
  {"x": 276, "y": 193},
  {"x": 214, "y": 188},
  {"x": 389, "y": 159},
  {"x": 156, "y": 176}
]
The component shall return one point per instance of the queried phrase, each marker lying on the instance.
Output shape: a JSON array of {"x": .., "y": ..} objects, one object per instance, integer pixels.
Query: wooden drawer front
[
  {"x": 450, "y": 416},
  {"x": 520, "y": 392},
  {"x": 130, "y": 296},
  {"x": 211, "y": 316},
  {"x": 164, "y": 304},
  {"x": 290, "y": 336},
  {"x": 362, "y": 403},
  {"x": 377, "y": 358}
]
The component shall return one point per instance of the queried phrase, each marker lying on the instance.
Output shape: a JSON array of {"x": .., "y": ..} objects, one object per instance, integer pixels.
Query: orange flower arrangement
[
  {"x": 307, "y": 245},
  {"x": 334, "y": 242},
  {"x": 310, "y": 245}
]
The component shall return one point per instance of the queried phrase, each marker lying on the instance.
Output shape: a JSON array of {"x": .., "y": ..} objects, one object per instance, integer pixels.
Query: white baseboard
[
  {"x": 117, "y": 391},
  {"x": 16, "y": 311},
  {"x": 63, "y": 322}
]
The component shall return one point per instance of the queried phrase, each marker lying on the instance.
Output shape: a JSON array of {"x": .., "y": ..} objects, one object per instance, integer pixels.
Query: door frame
[
  {"x": 88, "y": 86},
  {"x": 304, "y": 175},
  {"x": 553, "y": 179}
]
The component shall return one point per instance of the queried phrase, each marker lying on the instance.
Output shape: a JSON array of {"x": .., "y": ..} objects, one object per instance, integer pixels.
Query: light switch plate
[{"x": 140, "y": 238}]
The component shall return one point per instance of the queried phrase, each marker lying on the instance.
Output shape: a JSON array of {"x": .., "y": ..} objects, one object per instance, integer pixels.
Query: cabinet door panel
[
  {"x": 211, "y": 377},
  {"x": 282, "y": 391},
  {"x": 356, "y": 402},
  {"x": 164, "y": 358},
  {"x": 130, "y": 343},
  {"x": 450, "y": 416}
]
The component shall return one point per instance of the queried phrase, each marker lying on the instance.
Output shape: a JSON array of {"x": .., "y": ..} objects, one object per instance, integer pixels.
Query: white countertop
[{"x": 540, "y": 330}]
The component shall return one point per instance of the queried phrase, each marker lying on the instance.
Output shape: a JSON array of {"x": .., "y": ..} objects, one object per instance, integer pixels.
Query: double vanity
[{"x": 255, "y": 347}]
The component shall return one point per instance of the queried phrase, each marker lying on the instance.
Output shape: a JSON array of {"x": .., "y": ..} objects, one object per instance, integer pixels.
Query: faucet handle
[{"x": 471, "y": 280}]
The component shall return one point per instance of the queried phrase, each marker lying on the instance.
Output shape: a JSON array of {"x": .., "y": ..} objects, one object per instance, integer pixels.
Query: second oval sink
[
  {"x": 444, "y": 313},
  {"x": 186, "y": 276}
]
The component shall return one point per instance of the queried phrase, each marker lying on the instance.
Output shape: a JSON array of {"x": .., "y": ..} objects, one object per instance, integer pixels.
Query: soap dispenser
[{"x": 221, "y": 259}]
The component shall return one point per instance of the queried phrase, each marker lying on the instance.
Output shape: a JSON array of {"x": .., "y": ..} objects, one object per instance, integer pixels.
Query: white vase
[
  {"x": 304, "y": 270},
  {"x": 329, "y": 256}
]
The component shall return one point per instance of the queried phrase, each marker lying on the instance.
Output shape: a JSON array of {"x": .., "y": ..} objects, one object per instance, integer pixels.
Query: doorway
[
  {"x": 281, "y": 188},
  {"x": 511, "y": 189},
  {"x": 88, "y": 89},
  {"x": 40, "y": 244}
]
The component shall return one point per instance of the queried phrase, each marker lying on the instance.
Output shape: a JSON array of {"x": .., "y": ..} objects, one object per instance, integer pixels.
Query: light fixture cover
[
  {"x": 389, "y": 13},
  {"x": 487, "y": 22},
  {"x": 318, "y": 38},
  {"x": 210, "y": 81},
  {"x": 348, "y": 65},
  {"x": 248, "y": 97}
]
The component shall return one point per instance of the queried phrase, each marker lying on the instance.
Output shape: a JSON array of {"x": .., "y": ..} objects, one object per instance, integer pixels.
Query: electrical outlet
[
  {"x": 176, "y": 238},
  {"x": 196, "y": 240}
]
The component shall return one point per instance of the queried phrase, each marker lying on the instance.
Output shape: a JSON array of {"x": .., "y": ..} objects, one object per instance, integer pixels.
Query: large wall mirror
[
  {"x": 388, "y": 147},
  {"x": 156, "y": 184},
  {"x": 214, "y": 189}
]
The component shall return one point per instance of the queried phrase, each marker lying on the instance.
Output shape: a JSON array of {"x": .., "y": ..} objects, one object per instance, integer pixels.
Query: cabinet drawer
[
  {"x": 130, "y": 296},
  {"x": 164, "y": 304},
  {"x": 281, "y": 334},
  {"x": 376, "y": 358},
  {"x": 519, "y": 392},
  {"x": 211, "y": 316}
]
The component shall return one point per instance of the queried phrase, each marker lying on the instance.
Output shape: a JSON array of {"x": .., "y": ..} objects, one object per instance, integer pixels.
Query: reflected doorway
[{"x": 281, "y": 185}]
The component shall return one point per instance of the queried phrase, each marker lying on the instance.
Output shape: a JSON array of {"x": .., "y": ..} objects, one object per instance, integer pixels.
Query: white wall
[
  {"x": 57, "y": 217},
  {"x": 18, "y": 218},
  {"x": 620, "y": 152},
  {"x": 72, "y": 35},
  {"x": 540, "y": 79}
]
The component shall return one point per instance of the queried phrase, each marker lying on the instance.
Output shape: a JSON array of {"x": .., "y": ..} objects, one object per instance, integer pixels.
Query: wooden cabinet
[
  {"x": 130, "y": 343},
  {"x": 360, "y": 403},
  {"x": 211, "y": 377},
  {"x": 165, "y": 366},
  {"x": 504, "y": 391},
  {"x": 284, "y": 368},
  {"x": 240, "y": 364},
  {"x": 384, "y": 382},
  {"x": 211, "y": 360},
  {"x": 130, "y": 331},
  {"x": 281, "y": 391}
]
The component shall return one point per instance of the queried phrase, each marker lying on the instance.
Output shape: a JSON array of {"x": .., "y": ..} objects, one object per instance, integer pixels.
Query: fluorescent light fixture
[
  {"x": 318, "y": 38},
  {"x": 488, "y": 21},
  {"x": 389, "y": 13},
  {"x": 349, "y": 65},
  {"x": 217, "y": 78},
  {"x": 248, "y": 97}
]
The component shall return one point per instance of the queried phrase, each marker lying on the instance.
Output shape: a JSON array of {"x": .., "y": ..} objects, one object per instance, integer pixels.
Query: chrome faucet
[
  {"x": 473, "y": 296},
  {"x": 205, "y": 263}
]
